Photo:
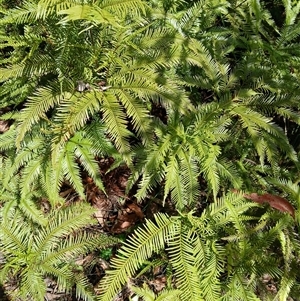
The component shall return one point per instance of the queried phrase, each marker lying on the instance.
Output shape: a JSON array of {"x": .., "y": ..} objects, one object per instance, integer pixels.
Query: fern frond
[
  {"x": 189, "y": 172},
  {"x": 71, "y": 169},
  {"x": 148, "y": 295},
  {"x": 210, "y": 168},
  {"x": 35, "y": 251},
  {"x": 36, "y": 108},
  {"x": 7, "y": 139},
  {"x": 32, "y": 285},
  {"x": 238, "y": 290},
  {"x": 135, "y": 251},
  {"x": 115, "y": 121},
  {"x": 75, "y": 112},
  {"x": 137, "y": 112},
  {"x": 181, "y": 250},
  {"x": 213, "y": 268},
  {"x": 21, "y": 15},
  {"x": 30, "y": 210},
  {"x": 87, "y": 160},
  {"x": 173, "y": 183}
]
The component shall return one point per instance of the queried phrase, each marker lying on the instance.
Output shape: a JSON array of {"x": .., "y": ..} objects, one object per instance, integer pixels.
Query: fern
[
  {"x": 183, "y": 150},
  {"x": 37, "y": 164},
  {"x": 197, "y": 256},
  {"x": 148, "y": 295},
  {"x": 140, "y": 247},
  {"x": 32, "y": 251},
  {"x": 82, "y": 81}
]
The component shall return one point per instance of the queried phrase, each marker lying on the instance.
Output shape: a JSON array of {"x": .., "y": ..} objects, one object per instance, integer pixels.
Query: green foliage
[
  {"x": 148, "y": 295},
  {"x": 212, "y": 256},
  {"x": 183, "y": 148},
  {"x": 38, "y": 166},
  {"x": 195, "y": 98},
  {"x": 31, "y": 251}
]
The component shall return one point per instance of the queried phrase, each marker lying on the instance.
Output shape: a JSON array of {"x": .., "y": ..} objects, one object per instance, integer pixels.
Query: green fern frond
[
  {"x": 181, "y": 252},
  {"x": 188, "y": 175},
  {"x": 30, "y": 210},
  {"x": 75, "y": 112},
  {"x": 115, "y": 121},
  {"x": 87, "y": 160},
  {"x": 214, "y": 265},
  {"x": 92, "y": 13},
  {"x": 36, "y": 108},
  {"x": 291, "y": 11},
  {"x": 35, "y": 251},
  {"x": 105, "y": 12},
  {"x": 11, "y": 72},
  {"x": 7, "y": 139},
  {"x": 71, "y": 169},
  {"x": 148, "y": 295},
  {"x": 257, "y": 122},
  {"x": 210, "y": 168},
  {"x": 173, "y": 183},
  {"x": 21, "y": 15},
  {"x": 32, "y": 282},
  {"x": 137, "y": 112},
  {"x": 238, "y": 290},
  {"x": 135, "y": 251},
  {"x": 95, "y": 131}
]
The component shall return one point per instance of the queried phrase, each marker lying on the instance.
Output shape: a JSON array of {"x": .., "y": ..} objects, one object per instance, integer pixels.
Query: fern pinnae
[
  {"x": 50, "y": 250},
  {"x": 228, "y": 171},
  {"x": 30, "y": 174},
  {"x": 32, "y": 286},
  {"x": 21, "y": 159},
  {"x": 145, "y": 292},
  {"x": 218, "y": 210},
  {"x": 37, "y": 107},
  {"x": 12, "y": 239},
  {"x": 71, "y": 169},
  {"x": 84, "y": 289},
  {"x": 125, "y": 6},
  {"x": 56, "y": 169},
  {"x": 90, "y": 165},
  {"x": 148, "y": 182},
  {"x": 60, "y": 225},
  {"x": 189, "y": 173},
  {"x": 140, "y": 247},
  {"x": 95, "y": 133},
  {"x": 7, "y": 139},
  {"x": 210, "y": 282},
  {"x": 155, "y": 162},
  {"x": 173, "y": 182},
  {"x": 78, "y": 110},
  {"x": 115, "y": 121},
  {"x": 137, "y": 112},
  {"x": 21, "y": 15},
  {"x": 237, "y": 289},
  {"x": 210, "y": 168},
  {"x": 49, "y": 186},
  {"x": 71, "y": 247},
  {"x": 65, "y": 221},
  {"x": 180, "y": 249},
  {"x": 164, "y": 295}
]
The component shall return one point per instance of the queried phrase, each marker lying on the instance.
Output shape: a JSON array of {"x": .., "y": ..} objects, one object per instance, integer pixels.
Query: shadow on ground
[{"x": 3, "y": 296}]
